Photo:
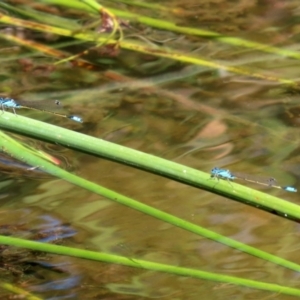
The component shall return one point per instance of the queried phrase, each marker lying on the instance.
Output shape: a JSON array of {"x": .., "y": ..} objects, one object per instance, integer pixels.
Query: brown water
[{"x": 209, "y": 118}]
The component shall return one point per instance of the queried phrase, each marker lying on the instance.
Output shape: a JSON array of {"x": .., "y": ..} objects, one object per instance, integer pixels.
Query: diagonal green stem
[
  {"x": 147, "y": 162},
  {"x": 144, "y": 161},
  {"x": 138, "y": 263}
]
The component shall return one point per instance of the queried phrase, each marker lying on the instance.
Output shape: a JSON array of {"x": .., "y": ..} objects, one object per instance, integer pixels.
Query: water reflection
[{"x": 192, "y": 115}]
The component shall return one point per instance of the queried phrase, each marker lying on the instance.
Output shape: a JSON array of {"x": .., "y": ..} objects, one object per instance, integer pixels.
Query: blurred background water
[{"x": 193, "y": 115}]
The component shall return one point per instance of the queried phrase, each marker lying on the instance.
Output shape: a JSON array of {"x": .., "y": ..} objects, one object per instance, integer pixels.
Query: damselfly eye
[{"x": 272, "y": 181}]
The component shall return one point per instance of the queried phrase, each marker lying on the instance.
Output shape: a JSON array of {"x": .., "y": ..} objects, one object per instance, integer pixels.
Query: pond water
[{"x": 192, "y": 115}]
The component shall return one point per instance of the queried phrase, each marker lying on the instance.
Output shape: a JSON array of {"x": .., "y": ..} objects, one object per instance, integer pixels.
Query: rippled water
[{"x": 198, "y": 117}]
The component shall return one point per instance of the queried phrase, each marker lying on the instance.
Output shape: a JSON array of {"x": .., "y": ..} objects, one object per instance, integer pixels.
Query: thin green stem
[
  {"x": 143, "y": 264},
  {"x": 144, "y": 161}
]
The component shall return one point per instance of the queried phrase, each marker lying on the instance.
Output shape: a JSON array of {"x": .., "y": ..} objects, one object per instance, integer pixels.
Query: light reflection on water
[
  {"x": 102, "y": 225},
  {"x": 208, "y": 120}
]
